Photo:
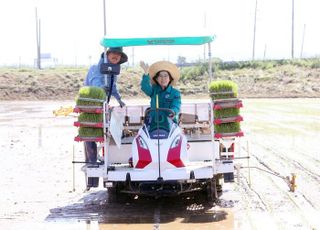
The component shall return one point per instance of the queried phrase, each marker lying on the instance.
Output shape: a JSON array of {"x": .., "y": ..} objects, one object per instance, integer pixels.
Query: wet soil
[{"x": 42, "y": 189}]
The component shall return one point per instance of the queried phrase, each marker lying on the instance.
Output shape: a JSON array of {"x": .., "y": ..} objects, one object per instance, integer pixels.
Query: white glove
[{"x": 145, "y": 67}]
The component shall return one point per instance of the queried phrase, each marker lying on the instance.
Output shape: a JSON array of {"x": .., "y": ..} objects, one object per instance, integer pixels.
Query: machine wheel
[
  {"x": 212, "y": 194},
  {"x": 219, "y": 182},
  {"x": 115, "y": 195},
  {"x": 228, "y": 177}
]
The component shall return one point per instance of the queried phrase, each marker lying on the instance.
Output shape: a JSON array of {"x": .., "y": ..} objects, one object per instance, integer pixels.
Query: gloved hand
[
  {"x": 171, "y": 115},
  {"x": 121, "y": 103},
  {"x": 145, "y": 67},
  {"x": 106, "y": 89}
]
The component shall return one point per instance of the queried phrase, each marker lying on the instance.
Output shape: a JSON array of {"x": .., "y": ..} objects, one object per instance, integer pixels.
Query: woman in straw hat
[{"x": 158, "y": 80}]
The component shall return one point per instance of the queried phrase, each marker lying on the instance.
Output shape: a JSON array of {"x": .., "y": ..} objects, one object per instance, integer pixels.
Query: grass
[{"x": 266, "y": 64}]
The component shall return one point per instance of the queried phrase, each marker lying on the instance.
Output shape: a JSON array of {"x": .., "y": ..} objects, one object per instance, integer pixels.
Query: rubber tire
[
  {"x": 115, "y": 195},
  {"x": 212, "y": 194}
]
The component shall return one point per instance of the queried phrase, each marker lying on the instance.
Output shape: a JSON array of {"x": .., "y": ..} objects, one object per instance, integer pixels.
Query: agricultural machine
[{"x": 190, "y": 156}]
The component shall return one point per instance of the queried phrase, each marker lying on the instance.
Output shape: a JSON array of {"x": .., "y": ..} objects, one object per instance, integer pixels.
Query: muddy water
[
  {"x": 40, "y": 188},
  {"x": 144, "y": 213}
]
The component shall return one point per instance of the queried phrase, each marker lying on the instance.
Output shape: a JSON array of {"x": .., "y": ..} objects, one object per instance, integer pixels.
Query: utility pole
[
  {"x": 104, "y": 18},
  {"x": 254, "y": 31},
  {"x": 38, "y": 39},
  {"x": 302, "y": 43},
  {"x": 204, "y": 26},
  {"x": 292, "y": 32},
  {"x": 210, "y": 63}
]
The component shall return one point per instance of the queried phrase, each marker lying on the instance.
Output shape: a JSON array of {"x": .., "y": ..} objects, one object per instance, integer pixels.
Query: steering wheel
[{"x": 170, "y": 111}]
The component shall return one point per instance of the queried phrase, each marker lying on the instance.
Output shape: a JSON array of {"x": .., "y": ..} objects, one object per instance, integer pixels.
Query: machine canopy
[{"x": 123, "y": 42}]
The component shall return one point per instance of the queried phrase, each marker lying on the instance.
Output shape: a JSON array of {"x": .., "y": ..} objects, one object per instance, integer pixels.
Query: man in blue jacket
[{"x": 98, "y": 75}]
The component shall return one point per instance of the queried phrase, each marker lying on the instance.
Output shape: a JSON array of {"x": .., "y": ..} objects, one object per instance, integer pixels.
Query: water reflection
[{"x": 95, "y": 207}]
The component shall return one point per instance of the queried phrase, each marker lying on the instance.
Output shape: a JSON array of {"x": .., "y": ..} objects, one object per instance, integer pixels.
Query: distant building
[{"x": 46, "y": 60}]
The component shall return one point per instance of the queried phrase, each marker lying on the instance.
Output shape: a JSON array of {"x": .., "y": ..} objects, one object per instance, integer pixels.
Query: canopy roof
[{"x": 122, "y": 42}]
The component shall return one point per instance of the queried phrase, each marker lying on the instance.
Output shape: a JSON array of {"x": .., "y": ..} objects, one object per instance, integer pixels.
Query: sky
[{"x": 71, "y": 30}]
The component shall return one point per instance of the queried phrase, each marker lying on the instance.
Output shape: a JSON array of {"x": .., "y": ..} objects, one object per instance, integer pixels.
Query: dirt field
[
  {"x": 285, "y": 81},
  {"x": 38, "y": 190}
]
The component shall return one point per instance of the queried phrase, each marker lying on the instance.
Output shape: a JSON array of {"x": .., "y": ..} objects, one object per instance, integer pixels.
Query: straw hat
[{"x": 167, "y": 66}]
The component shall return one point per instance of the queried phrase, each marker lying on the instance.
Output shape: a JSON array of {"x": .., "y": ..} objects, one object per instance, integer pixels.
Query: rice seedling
[
  {"x": 222, "y": 89},
  {"x": 90, "y": 132},
  {"x": 91, "y": 96},
  {"x": 90, "y": 117},
  {"x": 231, "y": 127},
  {"x": 224, "y": 113}
]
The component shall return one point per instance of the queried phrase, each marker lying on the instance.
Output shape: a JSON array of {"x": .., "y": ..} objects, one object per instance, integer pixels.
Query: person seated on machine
[{"x": 157, "y": 83}]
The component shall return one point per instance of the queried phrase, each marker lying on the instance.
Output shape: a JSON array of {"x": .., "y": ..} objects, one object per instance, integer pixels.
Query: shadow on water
[{"x": 97, "y": 206}]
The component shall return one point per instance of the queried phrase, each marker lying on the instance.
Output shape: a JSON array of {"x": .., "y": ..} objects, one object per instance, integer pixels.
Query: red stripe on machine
[
  {"x": 144, "y": 156},
  {"x": 174, "y": 155}
]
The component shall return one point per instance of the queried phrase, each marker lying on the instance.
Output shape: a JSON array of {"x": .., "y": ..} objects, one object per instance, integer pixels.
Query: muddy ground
[{"x": 40, "y": 189}]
